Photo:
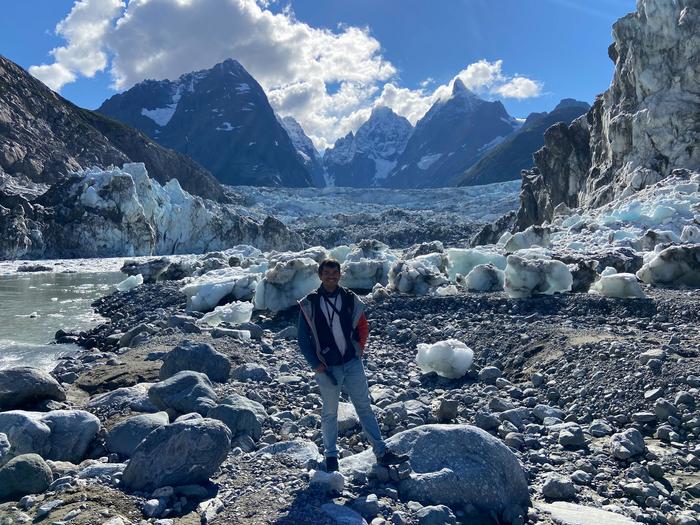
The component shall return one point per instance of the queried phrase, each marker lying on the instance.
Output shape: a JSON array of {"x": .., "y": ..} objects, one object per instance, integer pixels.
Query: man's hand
[{"x": 320, "y": 368}]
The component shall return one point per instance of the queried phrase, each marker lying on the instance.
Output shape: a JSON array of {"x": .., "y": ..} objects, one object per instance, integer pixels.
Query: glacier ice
[
  {"x": 419, "y": 275},
  {"x": 528, "y": 277},
  {"x": 613, "y": 284},
  {"x": 206, "y": 291},
  {"x": 464, "y": 260},
  {"x": 285, "y": 283},
  {"x": 236, "y": 312},
  {"x": 674, "y": 266},
  {"x": 532, "y": 236},
  {"x": 130, "y": 283},
  {"x": 449, "y": 358},
  {"x": 367, "y": 264},
  {"x": 485, "y": 278}
]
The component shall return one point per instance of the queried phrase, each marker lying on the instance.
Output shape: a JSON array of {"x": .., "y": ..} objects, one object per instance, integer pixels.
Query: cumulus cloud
[
  {"x": 293, "y": 61},
  {"x": 84, "y": 29}
]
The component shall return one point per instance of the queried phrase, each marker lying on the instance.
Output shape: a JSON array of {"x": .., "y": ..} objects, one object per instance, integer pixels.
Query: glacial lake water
[{"x": 33, "y": 306}]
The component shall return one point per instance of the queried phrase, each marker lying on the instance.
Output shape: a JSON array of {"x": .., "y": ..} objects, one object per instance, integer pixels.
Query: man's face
[{"x": 330, "y": 277}]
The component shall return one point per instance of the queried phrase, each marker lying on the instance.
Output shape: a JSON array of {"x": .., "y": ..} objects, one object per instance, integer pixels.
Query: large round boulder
[
  {"x": 184, "y": 453},
  {"x": 24, "y": 385},
  {"x": 240, "y": 421},
  {"x": 456, "y": 465},
  {"x": 25, "y": 474},
  {"x": 184, "y": 392},
  {"x": 126, "y": 435},
  {"x": 199, "y": 357},
  {"x": 60, "y": 435}
]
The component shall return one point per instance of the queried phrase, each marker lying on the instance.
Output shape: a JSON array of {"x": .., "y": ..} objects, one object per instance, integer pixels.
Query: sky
[{"x": 324, "y": 62}]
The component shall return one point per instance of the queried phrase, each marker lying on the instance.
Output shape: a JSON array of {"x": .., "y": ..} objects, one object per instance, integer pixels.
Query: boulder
[
  {"x": 131, "y": 397},
  {"x": 184, "y": 453},
  {"x": 62, "y": 435},
  {"x": 342, "y": 515},
  {"x": 251, "y": 372},
  {"x": 238, "y": 401},
  {"x": 126, "y": 435},
  {"x": 456, "y": 465},
  {"x": 184, "y": 392},
  {"x": 199, "y": 357},
  {"x": 24, "y": 385},
  {"x": 571, "y": 514},
  {"x": 305, "y": 453},
  {"x": 347, "y": 418},
  {"x": 627, "y": 444},
  {"x": 25, "y": 474},
  {"x": 241, "y": 421}
]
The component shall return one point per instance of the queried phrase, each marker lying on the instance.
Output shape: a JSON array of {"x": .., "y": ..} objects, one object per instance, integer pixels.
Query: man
[{"x": 333, "y": 332}]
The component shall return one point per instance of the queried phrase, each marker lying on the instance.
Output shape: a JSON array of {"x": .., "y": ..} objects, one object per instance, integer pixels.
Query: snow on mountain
[
  {"x": 221, "y": 118},
  {"x": 366, "y": 158},
  {"x": 453, "y": 135},
  {"x": 306, "y": 149}
]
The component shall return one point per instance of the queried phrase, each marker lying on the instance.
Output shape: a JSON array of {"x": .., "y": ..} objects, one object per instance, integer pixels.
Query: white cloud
[
  {"x": 294, "y": 62},
  {"x": 84, "y": 28},
  {"x": 520, "y": 87}
]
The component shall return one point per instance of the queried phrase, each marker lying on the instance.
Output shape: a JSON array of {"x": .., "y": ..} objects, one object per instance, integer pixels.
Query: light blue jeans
[{"x": 350, "y": 377}]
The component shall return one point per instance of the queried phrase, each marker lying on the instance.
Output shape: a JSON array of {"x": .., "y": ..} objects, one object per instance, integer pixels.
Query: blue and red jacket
[{"x": 352, "y": 320}]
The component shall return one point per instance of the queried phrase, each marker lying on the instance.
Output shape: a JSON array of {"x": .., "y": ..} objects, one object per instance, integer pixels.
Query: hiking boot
[
  {"x": 389, "y": 458},
  {"x": 331, "y": 464}
]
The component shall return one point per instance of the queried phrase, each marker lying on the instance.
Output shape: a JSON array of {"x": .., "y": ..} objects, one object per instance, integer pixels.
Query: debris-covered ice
[
  {"x": 485, "y": 278},
  {"x": 674, "y": 266},
  {"x": 527, "y": 277},
  {"x": 206, "y": 291},
  {"x": 236, "y": 312},
  {"x": 285, "y": 283},
  {"x": 613, "y": 284},
  {"x": 450, "y": 358}
]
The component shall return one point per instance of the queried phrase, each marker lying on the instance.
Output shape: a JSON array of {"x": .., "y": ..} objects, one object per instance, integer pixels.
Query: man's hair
[{"x": 328, "y": 263}]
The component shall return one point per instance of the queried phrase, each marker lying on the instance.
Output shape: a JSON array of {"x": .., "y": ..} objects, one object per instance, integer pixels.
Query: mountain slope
[
  {"x": 505, "y": 161},
  {"x": 44, "y": 137},
  {"x": 305, "y": 148},
  {"x": 221, "y": 118},
  {"x": 365, "y": 158}
]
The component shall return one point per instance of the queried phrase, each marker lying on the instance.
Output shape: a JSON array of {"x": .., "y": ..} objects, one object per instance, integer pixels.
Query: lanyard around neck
[{"x": 333, "y": 309}]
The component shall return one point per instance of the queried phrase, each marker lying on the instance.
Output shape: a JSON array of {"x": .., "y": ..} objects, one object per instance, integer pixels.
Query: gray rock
[
  {"x": 347, "y": 418},
  {"x": 599, "y": 428},
  {"x": 251, "y": 372},
  {"x": 557, "y": 487},
  {"x": 184, "y": 392},
  {"x": 4, "y": 449},
  {"x": 238, "y": 401},
  {"x": 102, "y": 471},
  {"x": 256, "y": 331},
  {"x": 543, "y": 411},
  {"x": 342, "y": 515},
  {"x": 22, "y": 475},
  {"x": 126, "y": 435},
  {"x": 663, "y": 409},
  {"x": 627, "y": 444},
  {"x": 199, "y": 357},
  {"x": 232, "y": 333},
  {"x": 132, "y": 397},
  {"x": 436, "y": 515},
  {"x": 187, "y": 452},
  {"x": 486, "y": 420},
  {"x": 489, "y": 374},
  {"x": 456, "y": 465},
  {"x": 305, "y": 453},
  {"x": 58, "y": 435},
  {"x": 446, "y": 410},
  {"x": 655, "y": 353},
  {"x": 289, "y": 333},
  {"x": 571, "y": 436},
  {"x": 564, "y": 513},
  {"x": 241, "y": 421},
  {"x": 24, "y": 385},
  {"x": 368, "y": 506},
  {"x": 128, "y": 339}
]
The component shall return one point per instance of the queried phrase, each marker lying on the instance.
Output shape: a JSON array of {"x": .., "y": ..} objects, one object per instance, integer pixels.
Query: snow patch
[{"x": 428, "y": 160}]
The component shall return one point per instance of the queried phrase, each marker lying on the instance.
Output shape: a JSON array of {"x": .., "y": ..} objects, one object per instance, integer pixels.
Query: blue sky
[{"x": 560, "y": 46}]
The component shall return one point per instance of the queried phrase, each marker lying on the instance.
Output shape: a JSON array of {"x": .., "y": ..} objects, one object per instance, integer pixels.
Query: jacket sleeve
[
  {"x": 363, "y": 330},
  {"x": 306, "y": 345}
]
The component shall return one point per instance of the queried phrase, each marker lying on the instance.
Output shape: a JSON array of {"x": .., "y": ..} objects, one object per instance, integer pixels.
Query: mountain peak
[
  {"x": 458, "y": 88},
  {"x": 381, "y": 112},
  {"x": 571, "y": 102}
]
